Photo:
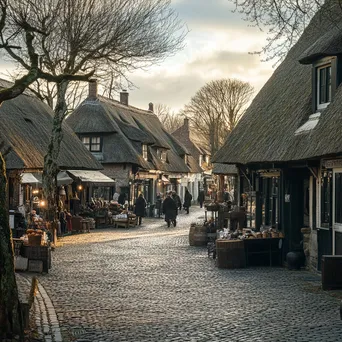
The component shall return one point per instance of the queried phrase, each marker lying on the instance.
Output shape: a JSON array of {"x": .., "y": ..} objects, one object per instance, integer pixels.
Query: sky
[{"x": 218, "y": 45}]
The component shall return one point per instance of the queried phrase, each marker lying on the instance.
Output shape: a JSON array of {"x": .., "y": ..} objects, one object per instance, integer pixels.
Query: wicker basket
[{"x": 35, "y": 240}]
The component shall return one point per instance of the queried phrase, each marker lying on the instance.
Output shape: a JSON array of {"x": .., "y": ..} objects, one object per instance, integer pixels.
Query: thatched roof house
[
  {"x": 26, "y": 124},
  {"x": 283, "y": 122},
  {"x": 124, "y": 129}
]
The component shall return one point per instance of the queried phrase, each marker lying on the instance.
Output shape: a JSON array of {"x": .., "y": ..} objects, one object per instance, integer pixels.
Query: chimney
[
  {"x": 186, "y": 123},
  {"x": 150, "y": 107},
  {"x": 124, "y": 97},
  {"x": 92, "y": 88}
]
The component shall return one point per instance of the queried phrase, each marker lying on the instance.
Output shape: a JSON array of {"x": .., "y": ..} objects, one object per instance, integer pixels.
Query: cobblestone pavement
[{"x": 148, "y": 284}]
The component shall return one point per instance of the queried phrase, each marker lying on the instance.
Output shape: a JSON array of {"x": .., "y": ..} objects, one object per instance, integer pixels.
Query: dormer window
[
  {"x": 185, "y": 158},
  {"x": 325, "y": 82},
  {"x": 144, "y": 151},
  {"x": 200, "y": 160},
  {"x": 93, "y": 144},
  {"x": 161, "y": 154},
  {"x": 323, "y": 86}
]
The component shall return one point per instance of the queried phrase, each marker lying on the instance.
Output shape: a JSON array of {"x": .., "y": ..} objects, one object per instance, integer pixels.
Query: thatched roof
[
  {"x": 26, "y": 124},
  {"x": 224, "y": 169},
  {"x": 125, "y": 128},
  {"x": 266, "y": 133}
]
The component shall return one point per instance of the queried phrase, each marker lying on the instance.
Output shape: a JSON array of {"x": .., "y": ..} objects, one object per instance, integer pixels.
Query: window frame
[
  {"x": 323, "y": 98},
  {"x": 323, "y": 63},
  {"x": 144, "y": 151},
  {"x": 90, "y": 146}
]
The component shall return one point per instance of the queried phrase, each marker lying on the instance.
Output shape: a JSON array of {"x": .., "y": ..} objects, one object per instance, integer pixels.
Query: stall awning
[
  {"x": 165, "y": 180},
  {"x": 63, "y": 178},
  {"x": 28, "y": 178},
  {"x": 90, "y": 176}
]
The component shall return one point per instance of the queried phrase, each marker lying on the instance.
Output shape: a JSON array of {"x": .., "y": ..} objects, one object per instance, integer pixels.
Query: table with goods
[
  {"x": 32, "y": 251},
  {"x": 234, "y": 246}
]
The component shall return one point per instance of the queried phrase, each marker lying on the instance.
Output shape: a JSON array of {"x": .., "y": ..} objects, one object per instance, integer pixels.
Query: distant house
[
  {"x": 132, "y": 146},
  {"x": 197, "y": 150},
  {"x": 288, "y": 145},
  {"x": 26, "y": 124}
]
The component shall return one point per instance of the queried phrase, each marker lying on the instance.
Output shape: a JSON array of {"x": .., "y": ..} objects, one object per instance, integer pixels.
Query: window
[
  {"x": 144, "y": 151},
  {"x": 185, "y": 158},
  {"x": 323, "y": 86},
  {"x": 93, "y": 144},
  {"x": 161, "y": 154},
  {"x": 200, "y": 160}
]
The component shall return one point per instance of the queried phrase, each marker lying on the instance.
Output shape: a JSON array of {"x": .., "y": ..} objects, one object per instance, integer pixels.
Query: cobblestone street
[{"x": 148, "y": 284}]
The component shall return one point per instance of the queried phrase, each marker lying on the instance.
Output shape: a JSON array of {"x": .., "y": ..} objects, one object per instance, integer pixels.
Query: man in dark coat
[
  {"x": 122, "y": 198},
  {"x": 140, "y": 206},
  {"x": 187, "y": 200},
  {"x": 177, "y": 200},
  {"x": 170, "y": 210},
  {"x": 200, "y": 198}
]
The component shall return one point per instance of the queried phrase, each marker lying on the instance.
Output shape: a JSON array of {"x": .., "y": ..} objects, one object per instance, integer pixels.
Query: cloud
[{"x": 175, "y": 86}]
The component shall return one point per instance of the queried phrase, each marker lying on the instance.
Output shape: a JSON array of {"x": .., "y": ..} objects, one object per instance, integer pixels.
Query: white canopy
[
  {"x": 91, "y": 176},
  {"x": 28, "y": 178}
]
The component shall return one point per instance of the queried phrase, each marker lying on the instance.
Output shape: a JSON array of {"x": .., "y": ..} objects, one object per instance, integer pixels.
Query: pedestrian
[
  {"x": 187, "y": 200},
  {"x": 139, "y": 208},
  {"x": 170, "y": 210},
  {"x": 201, "y": 197},
  {"x": 177, "y": 200},
  {"x": 116, "y": 196},
  {"x": 159, "y": 203},
  {"x": 122, "y": 198}
]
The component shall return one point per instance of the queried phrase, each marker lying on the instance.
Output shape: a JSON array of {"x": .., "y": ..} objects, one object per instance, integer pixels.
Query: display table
[
  {"x": 263, "y": 252},
  {"x": 249, "y": 252},
  {"x": 38, "y": 253},
  {"x": 125, "y": 222}
]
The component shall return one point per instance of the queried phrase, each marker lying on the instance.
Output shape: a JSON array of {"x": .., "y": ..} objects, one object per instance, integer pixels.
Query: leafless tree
[
  {"x": 216, "y": 108},
  {"x": 62, "y": 41},
  {"x": 284, "y": 21},
  {"x": 97, "y": 37},
  {"x": 170, "y": 120}
]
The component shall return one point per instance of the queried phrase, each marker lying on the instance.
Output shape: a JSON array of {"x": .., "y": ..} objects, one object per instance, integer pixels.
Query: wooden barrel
[
  {"x": 198, "y": 235},
  {"x": 230, "y": 254}
]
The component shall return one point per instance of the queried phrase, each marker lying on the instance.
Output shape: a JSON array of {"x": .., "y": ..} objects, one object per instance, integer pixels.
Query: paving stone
[{"x": 147, "y": 284}]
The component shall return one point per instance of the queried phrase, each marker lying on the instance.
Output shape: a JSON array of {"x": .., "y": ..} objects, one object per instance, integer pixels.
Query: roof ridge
[{"x": 119, "y": 104}]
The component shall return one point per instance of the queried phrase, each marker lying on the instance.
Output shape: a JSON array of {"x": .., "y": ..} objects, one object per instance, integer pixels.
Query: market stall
[{"x": 33, "y": 250}]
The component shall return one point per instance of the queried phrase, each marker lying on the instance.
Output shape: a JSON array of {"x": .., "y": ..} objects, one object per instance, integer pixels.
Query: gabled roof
[
  {"x": 224, "y": 169},
  {"x": 266, "y": 133},
  {"x": 126, "y": 128},
  {"x": 25, "y": 126}
]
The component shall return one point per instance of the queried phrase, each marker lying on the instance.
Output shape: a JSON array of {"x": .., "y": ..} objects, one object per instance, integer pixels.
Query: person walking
[
  {"x": 122, "y": 199},
  {"x": 139, "y": 209},
  {"x": 159, "y": 204},
  {"x": 201, "y": 197},
  {"x": 177, "y": 200},
  {"x": 170, "y": 210},
  {"x": 187, "y": 200}
]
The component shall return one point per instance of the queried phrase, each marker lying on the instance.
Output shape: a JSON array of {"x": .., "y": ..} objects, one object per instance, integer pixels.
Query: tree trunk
[
  {"x": 10, "y": 320},
  {"x": 50, "y": 160}
]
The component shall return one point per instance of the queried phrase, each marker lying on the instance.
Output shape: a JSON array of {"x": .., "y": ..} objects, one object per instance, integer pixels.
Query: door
[{"x": 337, "y": 212}]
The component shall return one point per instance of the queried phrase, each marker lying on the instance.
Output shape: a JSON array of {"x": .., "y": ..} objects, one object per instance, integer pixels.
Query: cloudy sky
[{"x": 217, "y": 46}]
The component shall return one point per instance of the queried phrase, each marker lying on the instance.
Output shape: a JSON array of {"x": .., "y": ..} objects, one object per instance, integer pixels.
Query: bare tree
[
  {"x": 216, "y": 108},
  {"x": 97, "y": 37},
  {"x": 61, "y": 41},
  {"x": 284, "y": 21},
  {"x": 169, "y": 119}
]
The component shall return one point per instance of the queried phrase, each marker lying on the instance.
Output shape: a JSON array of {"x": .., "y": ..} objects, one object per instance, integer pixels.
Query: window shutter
[
  {"x": 314, "y": 88},
  {"x": 333, "y": 77}
]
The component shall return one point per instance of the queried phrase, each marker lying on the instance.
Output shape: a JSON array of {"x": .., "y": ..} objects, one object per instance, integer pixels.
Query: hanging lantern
[{"x": 62, "y": 191}]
